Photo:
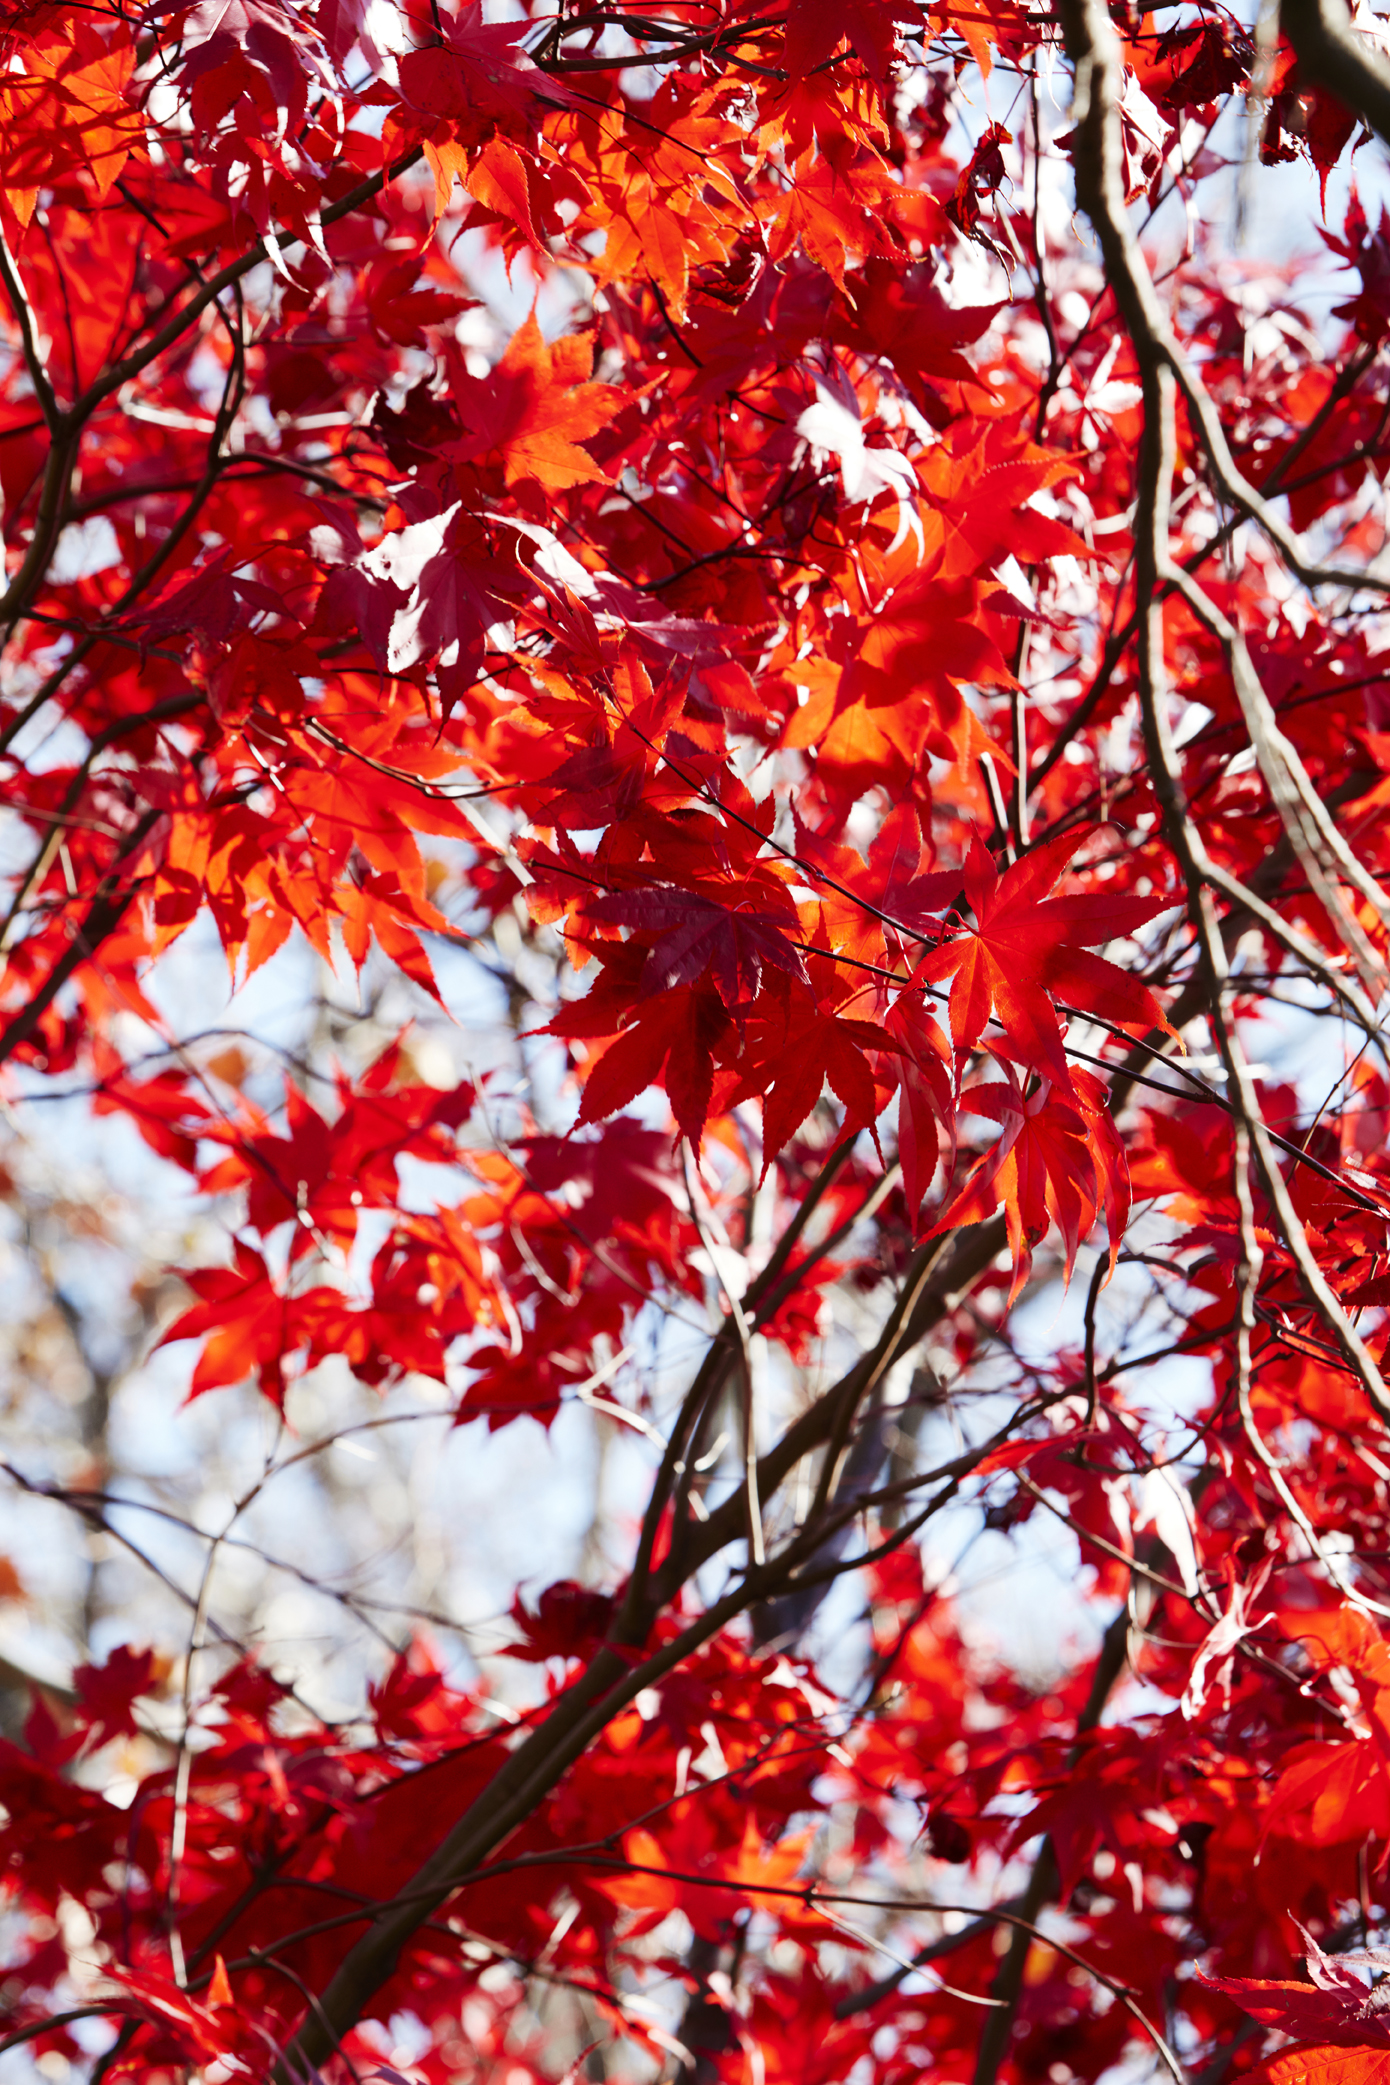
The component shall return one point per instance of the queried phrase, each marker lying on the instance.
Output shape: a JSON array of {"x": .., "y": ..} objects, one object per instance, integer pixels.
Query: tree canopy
[{"x": 696, "y": 853}]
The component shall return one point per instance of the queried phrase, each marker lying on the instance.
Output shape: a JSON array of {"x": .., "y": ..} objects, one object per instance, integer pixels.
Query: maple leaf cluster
[{"x": 647, "y": 523}]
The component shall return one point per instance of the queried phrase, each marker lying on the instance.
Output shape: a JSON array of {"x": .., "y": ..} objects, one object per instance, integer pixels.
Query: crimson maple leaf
[
  {"x": 324, "y": 1173},
  {"x": 1337, "y": 2007},
  {"x": 569, "y": 1621},
  {"x": 902, "y": 315},
  {"x": 536, "y": 407},
  {"x": 698, "y": 934},
  {"x": 828, "y": 1049},
  {"x": 478, "y": 68},
  {"x": 108, "y": 1692},
  {"x": 1052, "y": 1161},
  {"x": 671, "y": 1043},
  {"x": 424, "y": 593},
  {"x": 924, "y": 1100},
  {"x": 815, "y": 29},
  {"x": 250, "y": 1325},
  {"x": 1026, "y": 949}
]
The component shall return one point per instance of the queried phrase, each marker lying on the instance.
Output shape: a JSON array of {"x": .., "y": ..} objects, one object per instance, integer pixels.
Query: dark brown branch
[
  {"x": 1332, "y": 54},
  {"x": 613, "y": 1677}
]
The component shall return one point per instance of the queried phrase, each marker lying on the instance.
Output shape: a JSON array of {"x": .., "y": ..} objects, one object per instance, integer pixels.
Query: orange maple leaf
[
  {"x": 1324, "y": 2064},
  {"x": 69, "y": 111}
]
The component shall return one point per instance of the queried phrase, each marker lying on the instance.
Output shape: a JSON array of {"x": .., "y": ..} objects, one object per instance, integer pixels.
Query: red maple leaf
[
  {"x": 698, "y": 934},
  {"x": 535, "y": 408},
  {"x": 108, "y": 1692},
  {"x": 1337, "y": 2007},
  {"x": 828, "y": 1049},
  {"x": 1051, "y": 1163},
  {"x": 1027, "y": 949}
]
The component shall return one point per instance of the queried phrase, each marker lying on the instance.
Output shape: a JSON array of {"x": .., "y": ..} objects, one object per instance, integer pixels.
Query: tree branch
[{"x": 1332, "y": 54}]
